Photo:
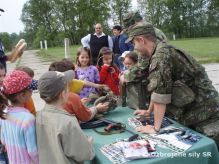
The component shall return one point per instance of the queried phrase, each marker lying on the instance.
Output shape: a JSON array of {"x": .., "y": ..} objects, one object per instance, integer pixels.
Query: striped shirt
[{"x": 18, "y": 134}]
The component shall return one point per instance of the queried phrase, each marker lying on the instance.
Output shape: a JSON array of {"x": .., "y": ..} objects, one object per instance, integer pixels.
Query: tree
[
  {"x": 213, "y": 17},
  {"x": 118, "y": 9},
  {"x": 73, "y": 18},
  {"x": 5, "y": 37}
]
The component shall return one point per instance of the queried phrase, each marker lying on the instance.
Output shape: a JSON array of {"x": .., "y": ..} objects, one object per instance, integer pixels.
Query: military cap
[
  {"x": 140, "y": 29},
  {"x": 131, "y": 18}
]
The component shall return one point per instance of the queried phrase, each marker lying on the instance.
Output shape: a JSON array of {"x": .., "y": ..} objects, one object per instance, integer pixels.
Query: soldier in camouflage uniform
[
  {"x": 132, "y": 18},
  {"x": 136, "y": 94},
  {"x": 179, "y": 86}
]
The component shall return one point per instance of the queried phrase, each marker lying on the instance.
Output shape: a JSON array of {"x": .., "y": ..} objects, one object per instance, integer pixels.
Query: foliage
[
  {"x": 73, "y": 18},
  {"x": 184, "y": 18},
  {"x": 118, "y": 8},
  {"x": 56, "y": 19},
  {"x": 5, "y": 37}
]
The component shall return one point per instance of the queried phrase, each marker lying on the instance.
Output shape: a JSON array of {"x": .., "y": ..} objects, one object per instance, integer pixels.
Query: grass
[
  {"x": 205, "y": 50},
  {"x": 57, "y": 53}
]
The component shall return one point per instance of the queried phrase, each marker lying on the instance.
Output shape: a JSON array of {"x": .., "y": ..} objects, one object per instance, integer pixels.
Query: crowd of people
[{"x": 159, "y": 79}]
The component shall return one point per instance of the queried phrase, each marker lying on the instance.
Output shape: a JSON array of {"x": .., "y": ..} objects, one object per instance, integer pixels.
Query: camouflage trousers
[
  {"x": 210, "y": 128},
  {"x": 201, "y": 118},
  {"x": 137, "y": 95}
]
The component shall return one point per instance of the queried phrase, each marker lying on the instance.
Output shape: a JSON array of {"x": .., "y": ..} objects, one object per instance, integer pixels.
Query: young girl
[
  {"x": 134, "y": 80},
  {"x": 85, "y": 71},
  {"x": 130, "y": 61},
  {"x": 18, "y": 133},
  {"x": 109, "y": 72},
  {"x": 34, "y": 84}
]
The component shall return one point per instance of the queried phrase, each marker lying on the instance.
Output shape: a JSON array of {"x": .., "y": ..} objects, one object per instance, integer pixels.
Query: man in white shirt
[{"x": 96, "y": 41}]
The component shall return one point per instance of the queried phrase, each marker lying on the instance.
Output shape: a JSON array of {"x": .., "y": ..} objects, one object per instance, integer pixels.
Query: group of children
[{"x": 54, "y": 135}]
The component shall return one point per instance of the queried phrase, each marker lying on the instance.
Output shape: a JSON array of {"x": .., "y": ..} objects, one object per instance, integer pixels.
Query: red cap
[{"x": 16, "y": 81}]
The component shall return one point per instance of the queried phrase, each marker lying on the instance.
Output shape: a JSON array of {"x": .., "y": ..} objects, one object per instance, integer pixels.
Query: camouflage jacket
[
  {"x": 138, "y": 72},
  {"x": 135, "y": 74},
  {"x": 170, "y": 67}
]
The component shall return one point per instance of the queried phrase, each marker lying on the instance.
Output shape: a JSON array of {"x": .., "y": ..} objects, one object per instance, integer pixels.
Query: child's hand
[
  {"x": 102, "y": 107},
  {"x": 122, "y": 79},
  {"x": 90, "y": 140},
  {"x": 85, "y": 100}
]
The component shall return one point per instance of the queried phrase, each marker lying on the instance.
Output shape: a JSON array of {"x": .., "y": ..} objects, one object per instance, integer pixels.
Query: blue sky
[{"x": 10, "y": 20}]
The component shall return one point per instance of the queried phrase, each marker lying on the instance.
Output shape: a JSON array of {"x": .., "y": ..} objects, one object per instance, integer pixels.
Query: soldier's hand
[
  {"x": 146, "y": 129},
  {"x": 102, "y": 107},
  {"x": 122, "y": 79},
  {"x": 141, "y": 112}
]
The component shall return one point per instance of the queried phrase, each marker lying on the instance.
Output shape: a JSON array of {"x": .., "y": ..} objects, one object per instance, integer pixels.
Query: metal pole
[{"x": 66, "y": 40}]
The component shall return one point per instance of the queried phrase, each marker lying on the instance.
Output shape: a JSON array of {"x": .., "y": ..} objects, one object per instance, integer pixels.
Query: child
[
  {"x": 75, "y": 85},
  {"x": 109, "y": 72},
  {"x": 85, "y": 71},
  {"x": 18, "y": 133},
  {"x": 74, "y": 104},
  {"x": 3, "y": 104},
  {"x": 134, "y": 80},
  {"x": 59, "y": 136},
  {"x": 34, "y": 84},
  {"x": 122, "y": 58}
]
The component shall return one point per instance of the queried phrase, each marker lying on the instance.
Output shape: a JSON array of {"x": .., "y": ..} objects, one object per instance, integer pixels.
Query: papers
[
  {"x": 123, "y": 151},
  {"x": 137, "y": 149},
  {"x": 113, "y": 153},
  {"x": 135, "y": 122},
  {"x": 177, "y": 139}
]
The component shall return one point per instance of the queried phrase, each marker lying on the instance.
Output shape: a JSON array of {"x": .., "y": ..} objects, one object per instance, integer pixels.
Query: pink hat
[{"x": 16, "y": 81}]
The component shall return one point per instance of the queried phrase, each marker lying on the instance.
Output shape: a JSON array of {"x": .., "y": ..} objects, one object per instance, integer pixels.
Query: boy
[
  {"x": 74, "y": 104},
  {"x": 59, "y": 137}
]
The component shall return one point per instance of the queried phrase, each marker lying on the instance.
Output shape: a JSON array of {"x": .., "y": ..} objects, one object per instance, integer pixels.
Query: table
[{"x": 206, "y": 146}]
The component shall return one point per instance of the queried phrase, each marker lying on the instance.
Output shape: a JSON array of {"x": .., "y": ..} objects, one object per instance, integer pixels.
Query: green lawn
[
  {"x": 57, "y": 53},
  {"x": 205, "y": 50}
]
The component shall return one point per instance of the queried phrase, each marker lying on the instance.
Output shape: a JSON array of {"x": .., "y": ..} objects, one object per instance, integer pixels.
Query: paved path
[{"x": 39, "y": 65}]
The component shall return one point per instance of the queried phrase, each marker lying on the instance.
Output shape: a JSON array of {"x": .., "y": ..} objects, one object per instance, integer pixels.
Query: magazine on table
[
  {"x": 135, "y": 122},
  {"x": 123, "y": 151},
  {"x": 178, "y": 139}
]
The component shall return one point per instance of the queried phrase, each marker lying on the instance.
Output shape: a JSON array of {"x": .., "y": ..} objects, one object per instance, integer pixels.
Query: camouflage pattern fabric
[
  {"x": 199, "y": 105},
  {"x": 136, "y": 77},
  {"x": 159, "y": 34},
  {"x": 110, "y": 98},
  {"x": 133, "y": 18},
  {"x": 210, "y": 128}
]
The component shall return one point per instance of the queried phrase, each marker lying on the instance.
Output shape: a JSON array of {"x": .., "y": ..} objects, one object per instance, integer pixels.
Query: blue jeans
[
  {"x": 118, "y": 62},
  {"x": 3, "y": 158}
]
